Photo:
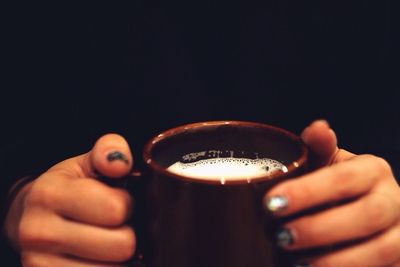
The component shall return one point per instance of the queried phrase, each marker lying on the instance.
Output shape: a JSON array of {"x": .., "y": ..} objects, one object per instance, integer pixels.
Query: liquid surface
[{"x": 227, "y": 168}]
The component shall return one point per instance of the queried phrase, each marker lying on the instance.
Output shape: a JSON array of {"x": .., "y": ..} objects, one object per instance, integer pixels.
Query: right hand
[{"x": 67, "y": 218}]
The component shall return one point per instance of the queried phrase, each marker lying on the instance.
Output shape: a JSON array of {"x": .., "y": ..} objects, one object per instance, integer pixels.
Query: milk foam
[{"x": 227, "y": 168}]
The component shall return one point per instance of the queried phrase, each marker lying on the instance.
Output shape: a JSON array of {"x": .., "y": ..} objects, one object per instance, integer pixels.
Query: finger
[
  {"x": 84, "y": 200},
  {"x": 40, "y": 259},
  {"x": 359, "y": 219},
  {"x": 322, "y": 142},
  {"x": 43, "y": 232},
  {"x": 382, "y": 250},
  {"x": 341, "y": 181},
  {"x": 110, "y": 157}
]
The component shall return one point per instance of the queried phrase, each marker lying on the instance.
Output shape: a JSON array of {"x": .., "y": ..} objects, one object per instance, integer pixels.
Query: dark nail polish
[
  {"x": 284, "y": 237},
  {"x": 116, "y": 155},
  {"x": 276, "y": 203}
]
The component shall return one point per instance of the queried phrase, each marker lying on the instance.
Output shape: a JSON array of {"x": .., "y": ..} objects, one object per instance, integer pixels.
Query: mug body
[{"x": 217, "y": 221}]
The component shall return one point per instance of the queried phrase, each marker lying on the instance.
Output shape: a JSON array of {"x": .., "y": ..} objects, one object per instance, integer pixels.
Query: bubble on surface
[{"x": 225, "y": 169}]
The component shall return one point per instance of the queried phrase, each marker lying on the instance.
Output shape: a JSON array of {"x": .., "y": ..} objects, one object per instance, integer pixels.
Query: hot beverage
[
  {"x": 227, "y": 168},
  {"x": 201, "y": 200}
]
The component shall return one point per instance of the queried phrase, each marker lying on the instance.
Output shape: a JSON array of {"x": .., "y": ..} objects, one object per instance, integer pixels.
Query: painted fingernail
[
  {"x": 276, "y": 203},
  {"x": 284, "y": 237},
  {"x": 116, "y": 155}
]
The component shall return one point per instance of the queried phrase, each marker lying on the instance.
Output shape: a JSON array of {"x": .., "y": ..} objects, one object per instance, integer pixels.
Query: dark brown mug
[{"x": 192, "y": 222}]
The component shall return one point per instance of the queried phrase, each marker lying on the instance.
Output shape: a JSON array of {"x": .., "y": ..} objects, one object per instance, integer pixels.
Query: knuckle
[
  {"x": 388, "y": 252},
  {"x": 43, "y": 194},
  {"x": 27, "y": 233},
  {"x": 127, "y": 244},
  {"x": 375, "y": 210},
  {"x": 379, "y": 164},
  {"x": 119, "y": 207},
  {"x": 342, "y": 179},
  {"x": 34, "y": 233}
]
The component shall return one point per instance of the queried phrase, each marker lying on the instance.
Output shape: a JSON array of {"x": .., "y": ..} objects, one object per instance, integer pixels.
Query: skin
[
  {"x": 371, "y": 211},
  {"x": 68, "y": 218}
]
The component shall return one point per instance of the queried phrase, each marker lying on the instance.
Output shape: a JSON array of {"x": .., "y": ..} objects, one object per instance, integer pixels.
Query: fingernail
[
  {"x": 116, "y": 155},
  {"x": 323, "y": 121},
  {"x": 332, "y": 132},
  {"x": 284, "y": 237},
  {"x": 276, "y": 203}
]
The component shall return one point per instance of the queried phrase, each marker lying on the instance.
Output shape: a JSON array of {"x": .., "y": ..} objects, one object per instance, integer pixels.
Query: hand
[
  {"x": 67, "y": 218},
  {"x": 369, "y": 212}
]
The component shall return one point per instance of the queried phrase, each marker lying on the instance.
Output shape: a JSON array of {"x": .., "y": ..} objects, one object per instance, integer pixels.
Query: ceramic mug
[{"x": 190, "y": 219}]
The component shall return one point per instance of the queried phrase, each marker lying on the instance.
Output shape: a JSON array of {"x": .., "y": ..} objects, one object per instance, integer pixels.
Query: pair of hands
[{"x": 68, "y": 218}]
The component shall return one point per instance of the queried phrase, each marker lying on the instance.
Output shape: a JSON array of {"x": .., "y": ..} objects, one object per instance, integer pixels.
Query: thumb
[
  {"x": 110, "y": 157},
  {"x": 322, "y": 142}
]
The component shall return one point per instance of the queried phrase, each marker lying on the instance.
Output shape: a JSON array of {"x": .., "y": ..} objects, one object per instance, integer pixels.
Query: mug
[{"x": 213, "y": 216}]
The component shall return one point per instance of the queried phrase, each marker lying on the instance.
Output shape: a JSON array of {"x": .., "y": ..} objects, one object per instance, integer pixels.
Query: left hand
[{"x": 370, "y": 215}]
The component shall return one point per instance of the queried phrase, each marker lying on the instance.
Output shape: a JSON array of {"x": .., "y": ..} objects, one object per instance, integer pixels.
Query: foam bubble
[{"x": 224, "y": 169}]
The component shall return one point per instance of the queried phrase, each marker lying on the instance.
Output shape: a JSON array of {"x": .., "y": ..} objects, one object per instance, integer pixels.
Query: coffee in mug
[
  {"x": 223, "y": 169},
  {"x": 202, "y": 194}
]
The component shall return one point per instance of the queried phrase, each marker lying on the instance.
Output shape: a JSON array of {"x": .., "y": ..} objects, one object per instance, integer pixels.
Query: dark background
[{"x": 75, "y": 71}]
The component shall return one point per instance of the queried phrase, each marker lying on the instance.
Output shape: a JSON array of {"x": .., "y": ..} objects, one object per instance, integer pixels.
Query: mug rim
[{"x": 292, "y": 167}]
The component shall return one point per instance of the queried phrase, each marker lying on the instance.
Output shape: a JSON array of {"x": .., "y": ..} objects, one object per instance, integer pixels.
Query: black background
[{"x": 75, "y": 71}]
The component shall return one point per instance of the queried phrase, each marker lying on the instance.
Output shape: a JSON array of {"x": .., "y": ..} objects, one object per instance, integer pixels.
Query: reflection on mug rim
[{"x": 147, "y": 153}]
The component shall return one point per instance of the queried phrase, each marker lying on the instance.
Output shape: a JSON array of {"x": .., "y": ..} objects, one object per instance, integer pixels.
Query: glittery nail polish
[
  {"x": 276, "y": 203},
  {"x": 116, "y": 155},
  {"x": 284, "y": 237}
]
